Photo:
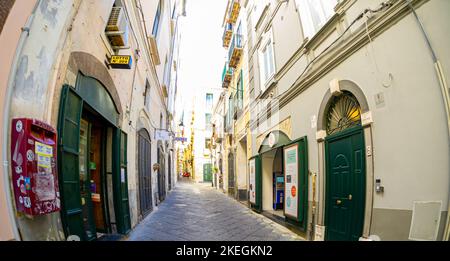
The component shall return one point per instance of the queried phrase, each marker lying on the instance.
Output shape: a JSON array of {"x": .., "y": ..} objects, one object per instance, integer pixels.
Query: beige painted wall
[
  {"x": 267, "y": 180},
  {"x": 9, "y": 38},
  {"x": 241, "y": 165},
  {"x": 410, "y": 139}
]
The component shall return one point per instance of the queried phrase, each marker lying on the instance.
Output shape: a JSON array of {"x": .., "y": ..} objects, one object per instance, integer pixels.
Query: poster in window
[
  {"x": 252, "y": 181},
  {"x": 291, "y": 167}
]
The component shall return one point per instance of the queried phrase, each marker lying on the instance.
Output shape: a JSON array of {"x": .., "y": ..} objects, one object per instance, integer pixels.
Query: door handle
[
  {"x": 338, "y": 202},
  {"x": 350, "y": 197}
]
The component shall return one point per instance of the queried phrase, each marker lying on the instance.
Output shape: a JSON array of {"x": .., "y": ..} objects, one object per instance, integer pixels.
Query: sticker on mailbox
[
  {"x": 44, "y": 150},
  {"x": 44, "y": 161}
]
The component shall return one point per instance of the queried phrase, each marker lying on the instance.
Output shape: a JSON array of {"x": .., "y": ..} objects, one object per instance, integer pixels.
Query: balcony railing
[
  {"x": 235, "y": 52},
  {"x": 227, "y": 34},
  {"x": 227, "y": 75},
  {"x": 234, "y": 10}
]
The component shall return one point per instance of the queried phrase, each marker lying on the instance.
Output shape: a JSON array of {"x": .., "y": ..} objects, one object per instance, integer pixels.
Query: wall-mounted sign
[
  {"x": 272, "y": 140},
  {"x": 291, "y": 186},
  {"x": 121, "y": 61},
  {"x": 252, "y": 181},
  {"x": 182, "y": 139},
  {"x": 162, "y": 135}
]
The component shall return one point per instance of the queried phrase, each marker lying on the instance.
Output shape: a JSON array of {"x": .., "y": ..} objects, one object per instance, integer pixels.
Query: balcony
[
  {"x": 227, "y": 75},
  {"x": 234, "y": 10},
  {"x": 227, "y": 34},
  {"x": 235, "y": 52}
]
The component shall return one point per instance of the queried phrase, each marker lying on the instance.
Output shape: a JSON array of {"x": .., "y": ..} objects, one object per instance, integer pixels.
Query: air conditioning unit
[
  {"x": 117, "y": 28},
  {"x": 154, "y": 50}
]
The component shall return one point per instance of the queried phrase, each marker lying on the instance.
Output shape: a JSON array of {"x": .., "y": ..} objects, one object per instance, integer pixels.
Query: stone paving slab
[{"x": 197, "y": 212}]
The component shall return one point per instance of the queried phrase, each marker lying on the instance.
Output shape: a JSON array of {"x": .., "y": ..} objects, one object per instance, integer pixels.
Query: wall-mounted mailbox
[{"x": 33, "y": 163}]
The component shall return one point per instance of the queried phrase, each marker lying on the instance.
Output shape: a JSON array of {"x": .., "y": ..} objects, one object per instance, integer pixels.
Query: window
[
  {"x": 166, "y": 76},
  {"x": 207, "y": 143},
  {"x": 146, "y": 93},
  {"x": 208, "y": 117},
  {"x": 209, "y": 101},
  {"x": 157, "y": 20},
  {"x": 240, "y": 91},
  {"x": 267, "y": 64},
  {"x": 230, "y": 111},
  {"x": 314, "y": 14}
]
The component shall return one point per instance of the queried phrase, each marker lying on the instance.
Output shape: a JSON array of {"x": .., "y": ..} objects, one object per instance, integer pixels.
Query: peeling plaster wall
[
  {"x": 31, "y": 84},
  {"x": 10, "y": 31}
]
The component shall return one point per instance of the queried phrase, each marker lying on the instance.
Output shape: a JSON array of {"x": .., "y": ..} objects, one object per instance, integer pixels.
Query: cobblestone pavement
[{"x": 197, "y": 212}]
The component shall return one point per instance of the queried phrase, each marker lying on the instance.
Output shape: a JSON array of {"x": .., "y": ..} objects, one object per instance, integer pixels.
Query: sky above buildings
[{"x": 202, "y": 56}]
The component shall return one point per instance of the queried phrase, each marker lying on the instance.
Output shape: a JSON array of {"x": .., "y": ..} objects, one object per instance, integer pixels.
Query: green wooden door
[
  {"x": 68, "y": 162},
  {"x": 207, "y": 172},
  {"x": 120, "y": 183},
  {"x": 345, "y": 185}
]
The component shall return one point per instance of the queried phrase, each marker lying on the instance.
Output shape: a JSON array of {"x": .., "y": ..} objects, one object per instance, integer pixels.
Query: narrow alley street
[
  {"x": 229, "y": 121},
  {"x": 197, "y": 212}
]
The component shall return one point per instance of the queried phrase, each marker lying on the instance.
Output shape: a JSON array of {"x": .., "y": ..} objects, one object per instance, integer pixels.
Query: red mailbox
[{"x": 33, "y": 157}]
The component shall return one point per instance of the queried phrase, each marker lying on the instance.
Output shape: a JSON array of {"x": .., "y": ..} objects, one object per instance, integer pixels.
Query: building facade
[
  {"x": 202, "y": 130},
  {"x": 342, "y": 95},
  {"x": 101, "y": 73}
]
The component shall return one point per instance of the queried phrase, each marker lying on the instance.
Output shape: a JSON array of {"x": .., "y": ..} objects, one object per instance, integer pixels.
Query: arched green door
[{"x": 345, "y": 170}]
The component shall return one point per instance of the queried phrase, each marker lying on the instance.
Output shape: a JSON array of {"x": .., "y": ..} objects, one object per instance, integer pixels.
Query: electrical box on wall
[{"x": 33, "y": 163}]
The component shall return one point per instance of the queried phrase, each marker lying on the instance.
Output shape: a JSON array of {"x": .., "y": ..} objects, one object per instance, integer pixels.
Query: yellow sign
[{"x": 121, "y": 61}]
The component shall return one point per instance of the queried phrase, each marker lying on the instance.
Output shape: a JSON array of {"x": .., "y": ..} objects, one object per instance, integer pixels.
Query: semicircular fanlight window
[{"x": 344, "y": 112}]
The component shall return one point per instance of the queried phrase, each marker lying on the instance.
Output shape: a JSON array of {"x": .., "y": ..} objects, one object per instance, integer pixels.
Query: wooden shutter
[
  {"x": 120, "y": 183},
  {"x": 68, "y": 162},
  {"x": 258, "y": 183}
]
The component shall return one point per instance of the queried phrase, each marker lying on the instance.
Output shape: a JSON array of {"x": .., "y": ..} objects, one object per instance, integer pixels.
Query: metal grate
[{"x": 343, "y": 112}]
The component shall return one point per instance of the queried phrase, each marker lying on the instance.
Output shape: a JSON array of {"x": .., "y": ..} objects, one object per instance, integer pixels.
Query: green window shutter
[
  {"x": 303, "y": 178},
  {"x": 68, "y": 161},
  {"x": 258, "y": 181},
  {"x": 120, "y": 183}
]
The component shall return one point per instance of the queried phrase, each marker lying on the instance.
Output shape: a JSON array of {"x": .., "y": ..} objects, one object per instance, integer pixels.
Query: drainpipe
[
  {"x": 445, "y": 95},
  {"x": 6, "y": 121}
]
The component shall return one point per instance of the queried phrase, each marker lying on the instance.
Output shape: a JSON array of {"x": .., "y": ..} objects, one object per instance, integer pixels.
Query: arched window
[{"x": 343, "y": 112}]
